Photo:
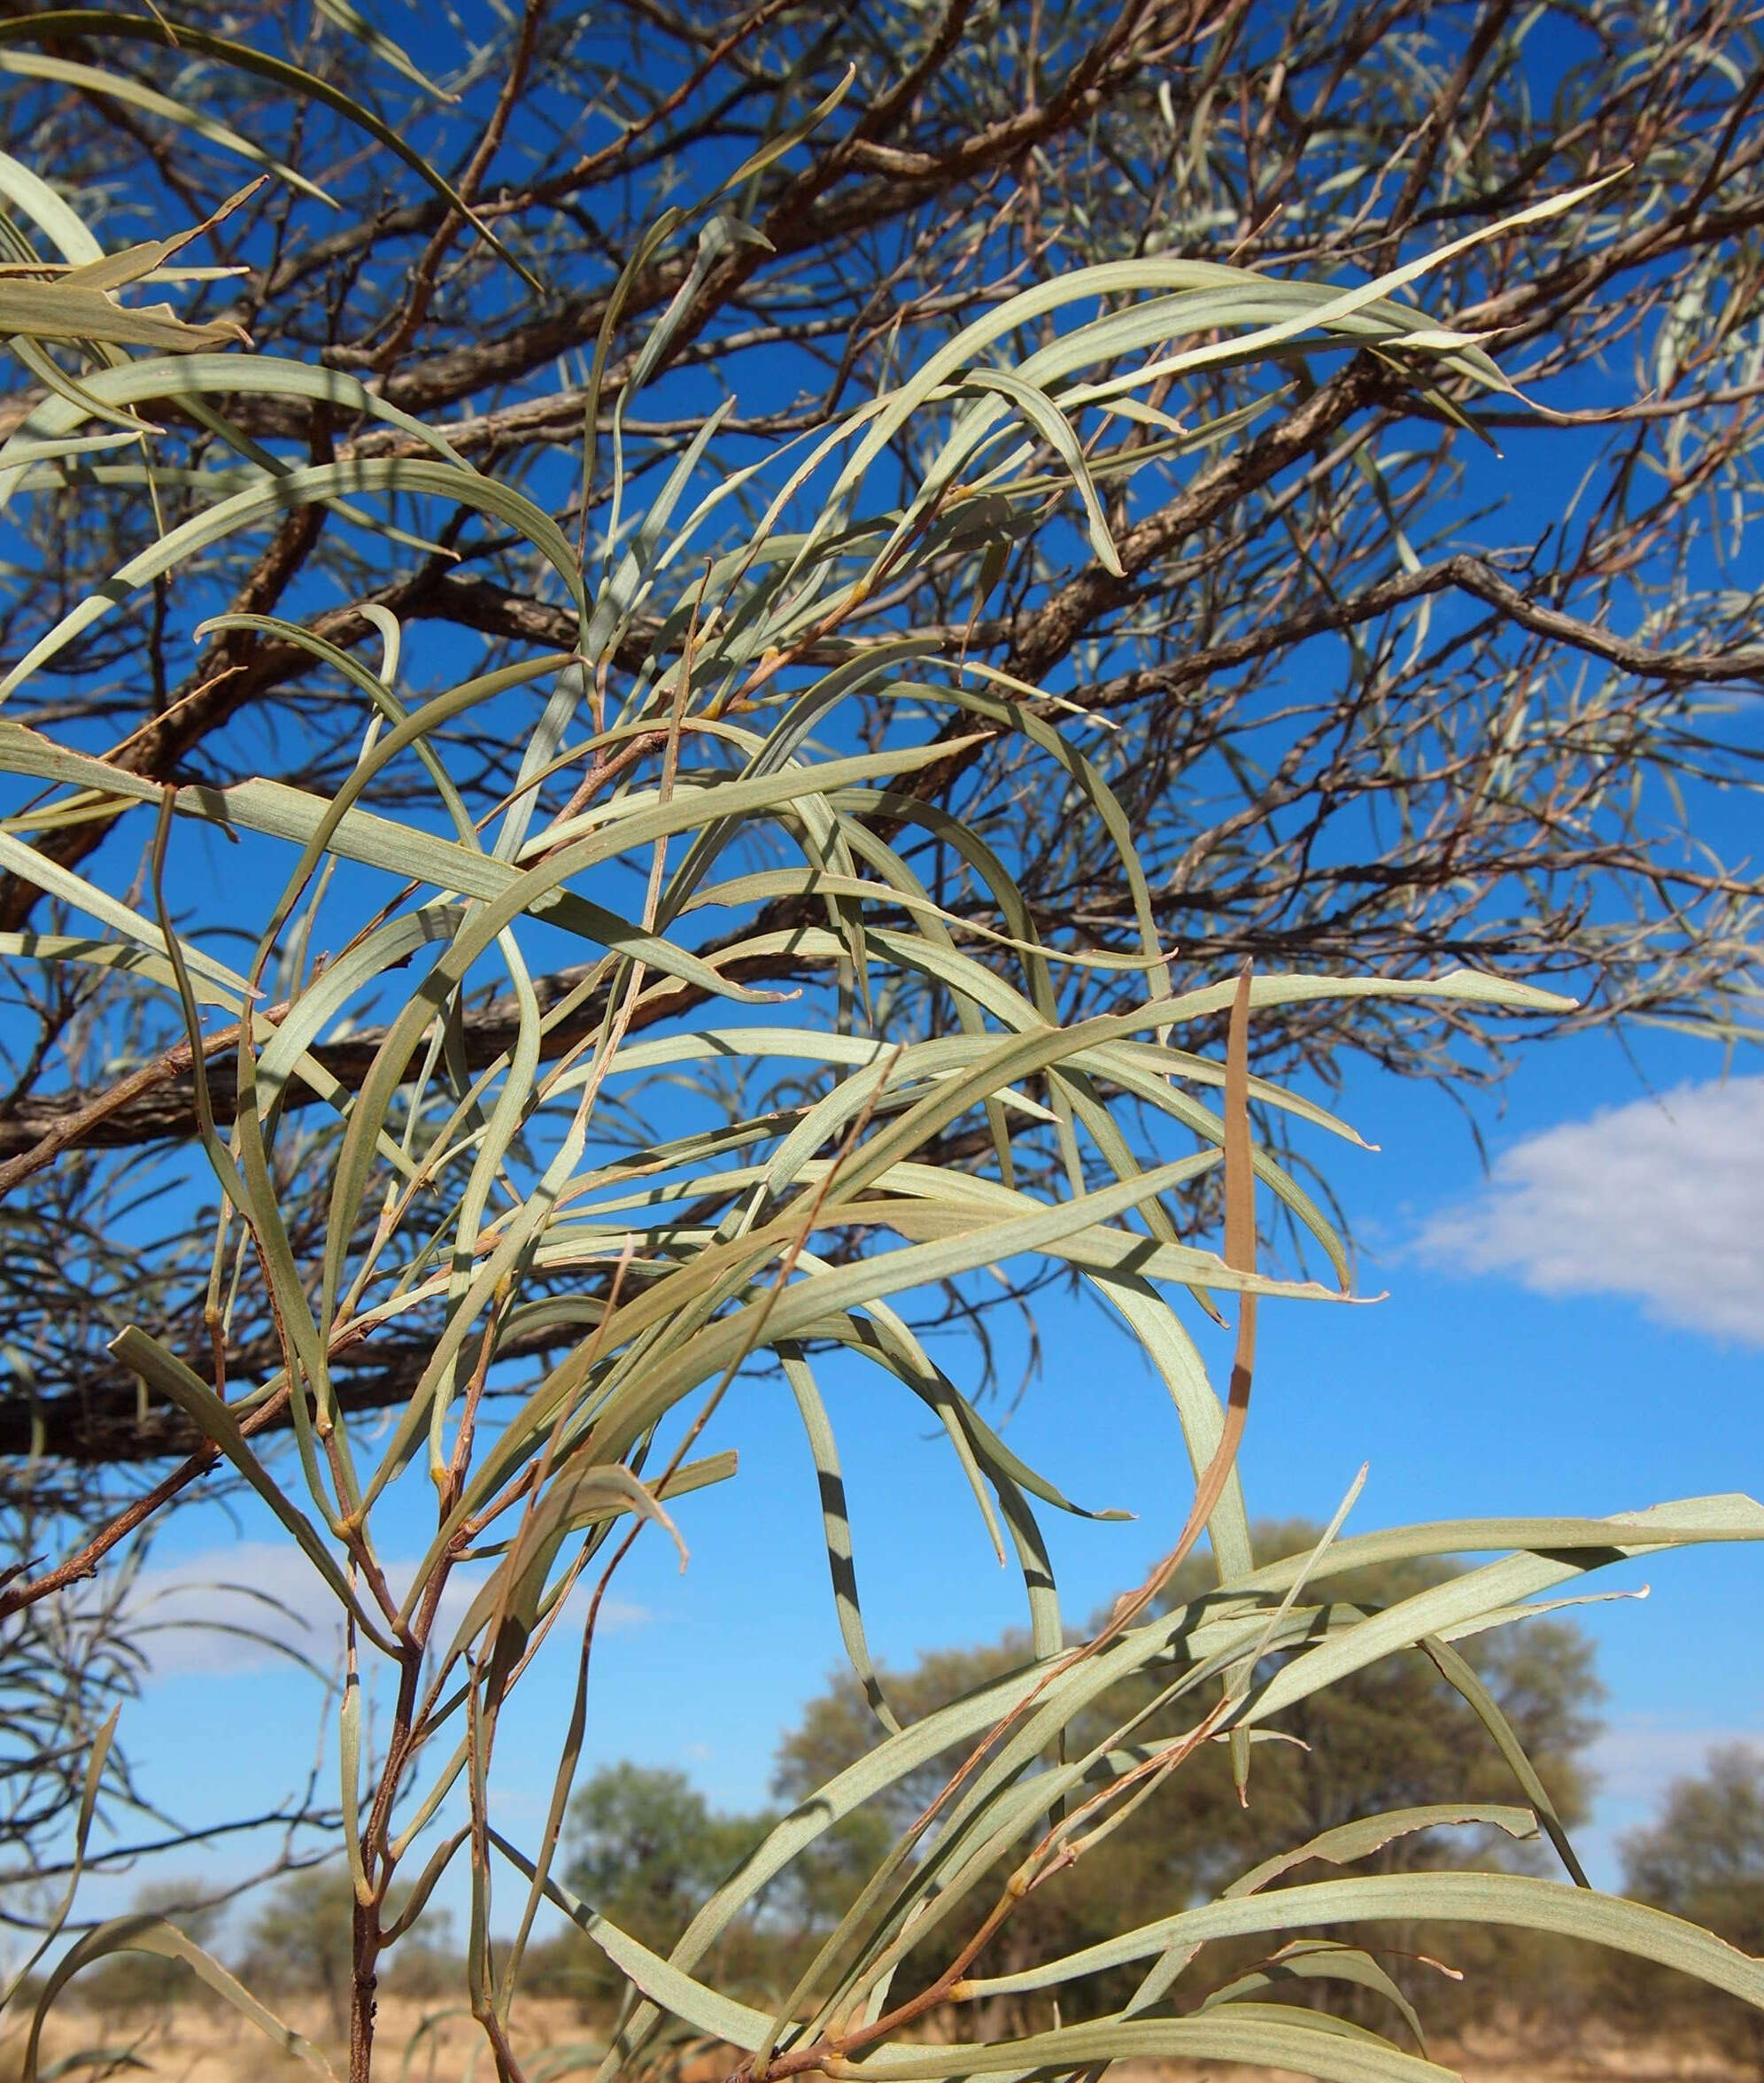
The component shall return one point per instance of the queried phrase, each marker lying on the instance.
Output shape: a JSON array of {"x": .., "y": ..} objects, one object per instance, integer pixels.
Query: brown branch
[
  {"x": 156, "y": 1102},
  {"x": 1464, "y": 574},
  {"x": 1047, "y": 634},
  {"x": 428, "y": 270},
  {"x": 163, "y": 1107},
  {"x": 85, "y": 1124},
  {"x": 84, "y": 1563},
  {"x": 803, "y": 217},
  {"x": 229, "y": 675}
]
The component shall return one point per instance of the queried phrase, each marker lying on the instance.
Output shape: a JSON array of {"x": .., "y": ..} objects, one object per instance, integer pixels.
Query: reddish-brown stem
[{"x": 84, "y": 1561}]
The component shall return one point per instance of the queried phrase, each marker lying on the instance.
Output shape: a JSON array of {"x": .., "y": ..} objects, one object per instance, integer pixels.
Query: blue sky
[
  {"x": 1629, "y": 1373},
  {"x": 1635, "y": 1377},
  {"x": 1580, "y": 1328}
]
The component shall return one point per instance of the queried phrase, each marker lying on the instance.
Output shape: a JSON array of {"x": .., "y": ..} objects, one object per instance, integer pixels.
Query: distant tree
[
  {"x": 299, "y": 1940},
  {"x": 1399, "y": 1734},
  {"x": 1395, "y": 1735},
  {"x": 648, "y": 1849},
  {"x": 1703, "y": 1859}
]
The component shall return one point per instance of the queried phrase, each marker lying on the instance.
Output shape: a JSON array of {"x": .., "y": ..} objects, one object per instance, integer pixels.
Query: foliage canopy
[
  {"x": 986, "y": 609},
  {"x": 1703, "y": 1858}
]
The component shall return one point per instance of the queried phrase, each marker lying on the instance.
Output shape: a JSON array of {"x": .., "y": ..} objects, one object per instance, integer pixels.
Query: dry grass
[
  {"x": 1594, "y": 2055},
  {"x": 208, "y": 2043},
  {"x": 425, "y": 2043}
]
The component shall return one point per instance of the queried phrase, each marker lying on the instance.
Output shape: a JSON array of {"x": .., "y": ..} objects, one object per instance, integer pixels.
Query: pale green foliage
[
  {"x": 1703, "y": 1858},
  {"x": 539, "y": 1197},
  {"x": 1394, "y": 1735},
  {"x": 131, "y": 1982}
]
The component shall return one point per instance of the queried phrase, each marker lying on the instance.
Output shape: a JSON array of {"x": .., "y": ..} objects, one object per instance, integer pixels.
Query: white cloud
[
  {"x": 1635, "y": 1757},
  {"x": 240, "y": 1607},
  {"x": 225, "y": 1609},
  {"x": 1661, "y": 1200},
  {"x": 1638, "y": 1756}
]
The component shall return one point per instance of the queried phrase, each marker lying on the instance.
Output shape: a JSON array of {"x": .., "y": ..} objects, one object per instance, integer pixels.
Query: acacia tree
[
  {"x": 1365, "y": 700},
  {"x": 1395, "y": 1735},
  {"x": 972, "y": 503},
  {"x": 646, "y": 1849},
  {"x": 1703, "y": 1858}
]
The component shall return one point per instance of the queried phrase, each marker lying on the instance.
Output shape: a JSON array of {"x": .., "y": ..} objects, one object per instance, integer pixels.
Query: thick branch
[
  {"x": 161, "y": 1109},
  {"x": 158, "y": 1103}
]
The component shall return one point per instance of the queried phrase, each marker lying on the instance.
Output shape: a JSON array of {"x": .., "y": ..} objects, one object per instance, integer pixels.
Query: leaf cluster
[{"x": 677, "y": 989}]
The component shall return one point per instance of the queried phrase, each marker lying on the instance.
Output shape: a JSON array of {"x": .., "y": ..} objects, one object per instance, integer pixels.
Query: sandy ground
[
  {"x": 192, "y": 2043},
  {"x": 202, "y": 2043}
]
